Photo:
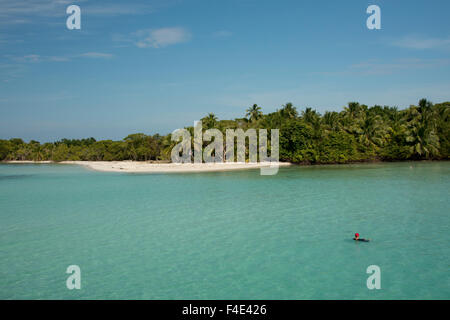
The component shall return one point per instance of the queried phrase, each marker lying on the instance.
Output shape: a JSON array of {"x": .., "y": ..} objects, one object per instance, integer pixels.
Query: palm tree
[
  {"x": 289, "y": 111},
  {"x": 254, "y": 113},
  {"x": 442, "y": 116},
  {"x": 331, "y": 119},
  {"x": 351, "y": 117},
  {"x": 313, "y": 118},
  {"x": 427, "y": 116},
  {"x": 210, "y": 120},
  {"x": 371, "y": 131},
  {"x": 310, "y": 115},
  {"x": 353, "y": 110},
  {"x": 397, "y": 123},
  {"x": 422, "y": 134},
  {"x": 424, "y": 105},
  {"x": 424, "y": 141}
]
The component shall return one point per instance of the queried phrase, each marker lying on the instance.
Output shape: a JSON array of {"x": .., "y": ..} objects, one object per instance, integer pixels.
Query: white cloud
[
  {"x": 59, "y": 59},
  {"x": 21, "y": 64},
  {"x": 26, "y": 11},
  {"x": 32, "y": 58},
  {"x": 378, "y": 67},
  {"x": 118, "y": 9},
  {"x": 29, "y": 58},
  {"x": 163, "y": 37},
  {"x": 10, "y": 71},
  {"x": 415, "y": 42},
  {"x": 222, "y": 34},
  {"x": 33, "y": 7},
  {"x": 35, "y": 58},
  {"x": 96, "y": 55}
]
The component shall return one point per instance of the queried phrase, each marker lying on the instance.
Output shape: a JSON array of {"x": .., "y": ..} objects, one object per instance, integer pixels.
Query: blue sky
[{"x": 155, "y": 66}]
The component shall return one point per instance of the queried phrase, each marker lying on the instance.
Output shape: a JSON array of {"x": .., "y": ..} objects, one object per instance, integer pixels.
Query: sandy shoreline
[{"x": 146, "y": 167}]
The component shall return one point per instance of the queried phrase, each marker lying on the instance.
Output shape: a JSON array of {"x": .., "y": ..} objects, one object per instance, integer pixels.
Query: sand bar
[{"x": 148, "y": 167}]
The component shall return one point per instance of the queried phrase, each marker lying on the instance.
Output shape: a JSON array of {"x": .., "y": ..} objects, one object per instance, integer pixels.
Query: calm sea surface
[{"x": 229, "y": 235}]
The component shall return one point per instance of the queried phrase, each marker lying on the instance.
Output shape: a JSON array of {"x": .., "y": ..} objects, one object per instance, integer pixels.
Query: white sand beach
[{"x": 148, "y": 167}]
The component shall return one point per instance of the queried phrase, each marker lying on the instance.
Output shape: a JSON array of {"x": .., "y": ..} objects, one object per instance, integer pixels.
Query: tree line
[{"x": 357, "y": 133}]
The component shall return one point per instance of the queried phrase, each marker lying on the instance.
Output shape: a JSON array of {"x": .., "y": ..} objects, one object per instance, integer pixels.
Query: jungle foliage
[{"x": 357, "y": 133}]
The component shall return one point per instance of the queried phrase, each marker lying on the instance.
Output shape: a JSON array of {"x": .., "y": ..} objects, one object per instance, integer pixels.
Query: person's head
[{"x": 356, "y": 235}]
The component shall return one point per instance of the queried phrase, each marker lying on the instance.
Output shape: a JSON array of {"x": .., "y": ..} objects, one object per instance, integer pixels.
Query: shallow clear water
[{"x": 229, "y": 235}]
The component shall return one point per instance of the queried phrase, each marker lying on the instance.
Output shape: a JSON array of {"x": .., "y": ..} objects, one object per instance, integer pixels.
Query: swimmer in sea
[{"x": 357, "y": 238}]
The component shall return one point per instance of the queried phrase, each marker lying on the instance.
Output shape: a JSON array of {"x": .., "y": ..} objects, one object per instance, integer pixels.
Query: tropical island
[{"x": 358, "y": 133}]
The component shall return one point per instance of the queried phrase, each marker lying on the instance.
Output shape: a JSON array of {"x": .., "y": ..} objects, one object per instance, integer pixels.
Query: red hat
[{"x": 356, "y": 235}]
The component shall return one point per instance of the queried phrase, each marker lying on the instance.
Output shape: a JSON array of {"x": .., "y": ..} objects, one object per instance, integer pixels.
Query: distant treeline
[{"x": 357, "y": 133}]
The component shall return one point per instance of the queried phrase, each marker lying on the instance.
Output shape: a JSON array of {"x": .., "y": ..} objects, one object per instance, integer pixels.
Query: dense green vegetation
[{"x": 357, "y": 133}]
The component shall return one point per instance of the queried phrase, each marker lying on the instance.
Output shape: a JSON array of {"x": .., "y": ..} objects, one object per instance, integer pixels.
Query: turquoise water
[{"x": 229, "y": 235}]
